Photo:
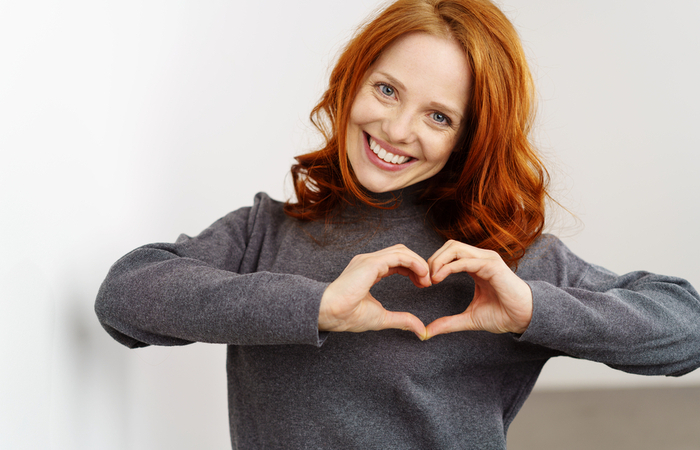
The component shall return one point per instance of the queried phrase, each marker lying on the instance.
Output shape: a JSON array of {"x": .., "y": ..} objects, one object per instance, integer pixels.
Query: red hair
[{"x": 492, "y": 191}]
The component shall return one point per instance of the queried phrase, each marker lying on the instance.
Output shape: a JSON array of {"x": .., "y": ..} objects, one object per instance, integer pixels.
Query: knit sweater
[{"x": 254, "y": 280}]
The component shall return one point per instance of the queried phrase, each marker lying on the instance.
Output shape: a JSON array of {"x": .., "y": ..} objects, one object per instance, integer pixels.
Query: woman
[{"x": 427, "y": 173}]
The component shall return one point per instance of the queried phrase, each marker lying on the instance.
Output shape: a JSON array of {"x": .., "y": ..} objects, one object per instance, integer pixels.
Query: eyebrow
[
  {"x": 455, "y": 115},
  {"x": 437, "y": 105}
]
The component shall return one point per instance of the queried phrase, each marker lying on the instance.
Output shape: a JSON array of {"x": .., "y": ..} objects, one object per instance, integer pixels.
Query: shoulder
[
  {"x": 243, "y": 231},
  {"x": 244, "y": 222},
  {"x": 266, "y": 212},
  {"x": 264, "y": 205},
  {"x": 263, "y": 211}
]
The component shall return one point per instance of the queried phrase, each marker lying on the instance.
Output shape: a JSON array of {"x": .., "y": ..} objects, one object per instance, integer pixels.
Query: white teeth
[{"x": 385, "y": 155}]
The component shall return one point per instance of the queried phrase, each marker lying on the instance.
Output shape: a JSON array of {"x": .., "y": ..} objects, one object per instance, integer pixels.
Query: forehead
[{"x": 430, "y": 67}]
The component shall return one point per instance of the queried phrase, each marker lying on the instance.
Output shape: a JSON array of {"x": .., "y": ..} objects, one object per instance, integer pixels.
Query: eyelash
[{"x": 382, "y": 86}]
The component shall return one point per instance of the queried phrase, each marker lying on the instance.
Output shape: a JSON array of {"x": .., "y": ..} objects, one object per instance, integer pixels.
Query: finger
[
  {"x": 451, "y": 324},
  {"x": 441, "y": 251},
  {"x": 419, "y": 266},
  {"x": 479, "y": 267},
  {"x": 398, "y": 258},
  {"x": 415, "y": 279},
  {"x": 419, "y": 282},
  {"x": 373, "y": 267},
  {"x": 403, "y": 321},
  {"x": 453, "y": 251}
]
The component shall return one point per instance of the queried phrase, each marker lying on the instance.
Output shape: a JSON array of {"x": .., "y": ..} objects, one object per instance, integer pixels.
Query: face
[{"x": 407, "y": 114}]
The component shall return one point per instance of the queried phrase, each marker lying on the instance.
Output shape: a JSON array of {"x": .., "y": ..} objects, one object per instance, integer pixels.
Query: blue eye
[
  {"x": 386, "y": 90},
  {"x": 440, "y": 118}
]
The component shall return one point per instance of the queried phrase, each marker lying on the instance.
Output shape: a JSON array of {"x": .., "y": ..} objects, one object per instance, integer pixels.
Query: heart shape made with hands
[{"x": 502, "y": 301}]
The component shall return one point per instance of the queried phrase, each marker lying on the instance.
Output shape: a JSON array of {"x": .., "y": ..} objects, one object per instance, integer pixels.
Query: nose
[{"x": 400, "y": 127}]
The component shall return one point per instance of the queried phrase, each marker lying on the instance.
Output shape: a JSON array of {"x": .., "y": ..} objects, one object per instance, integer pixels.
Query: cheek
[
  {"x": 363, "y": 110},
  {"x": 442, "y": 149}
]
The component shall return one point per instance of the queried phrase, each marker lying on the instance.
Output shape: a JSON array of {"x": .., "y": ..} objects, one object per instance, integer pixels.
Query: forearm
[
  {"x": 155, "y": 297},
  {"x": 640, "y": 323}
]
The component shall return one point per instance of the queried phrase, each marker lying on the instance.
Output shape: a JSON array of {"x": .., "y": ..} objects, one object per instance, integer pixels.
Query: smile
[{"x": 385, "y": 155}]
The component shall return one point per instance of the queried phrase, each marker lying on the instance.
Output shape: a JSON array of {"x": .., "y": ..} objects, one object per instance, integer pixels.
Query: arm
[
  {"x": 193, "y": 290},
  {"x": 638, "y": 322}
]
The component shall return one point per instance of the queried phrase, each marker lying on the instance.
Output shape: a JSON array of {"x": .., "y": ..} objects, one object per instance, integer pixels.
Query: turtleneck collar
[{"x": 408, "y": 199}]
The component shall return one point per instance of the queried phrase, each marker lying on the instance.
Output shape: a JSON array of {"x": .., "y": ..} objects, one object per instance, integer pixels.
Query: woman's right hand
[{"x": 347, "y": 305}]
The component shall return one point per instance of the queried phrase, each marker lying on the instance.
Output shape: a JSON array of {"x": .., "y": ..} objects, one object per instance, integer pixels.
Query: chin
[{"x": 380, "y": 186}]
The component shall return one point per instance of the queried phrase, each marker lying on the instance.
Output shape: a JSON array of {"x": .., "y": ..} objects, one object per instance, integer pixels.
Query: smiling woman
[
  {"x": 407, "y": 114},
  {"x": 426, "y": 172}
]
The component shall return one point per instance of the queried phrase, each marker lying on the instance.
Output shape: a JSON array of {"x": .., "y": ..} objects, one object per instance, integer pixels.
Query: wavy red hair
[{"x": 492, "y": 191}]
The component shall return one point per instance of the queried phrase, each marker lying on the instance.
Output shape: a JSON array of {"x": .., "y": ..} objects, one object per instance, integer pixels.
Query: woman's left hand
[{"x": 502, "y": 302}]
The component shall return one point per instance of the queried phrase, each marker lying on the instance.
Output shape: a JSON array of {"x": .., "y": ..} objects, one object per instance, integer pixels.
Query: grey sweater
[{"x": 254, "y": 280}]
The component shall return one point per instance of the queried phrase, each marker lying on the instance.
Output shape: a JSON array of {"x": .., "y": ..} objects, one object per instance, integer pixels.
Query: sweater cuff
[{"x": 550, "y": 322}]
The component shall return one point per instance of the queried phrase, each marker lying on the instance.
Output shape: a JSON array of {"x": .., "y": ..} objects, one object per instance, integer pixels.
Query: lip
[{"x": 374, "y": 159}]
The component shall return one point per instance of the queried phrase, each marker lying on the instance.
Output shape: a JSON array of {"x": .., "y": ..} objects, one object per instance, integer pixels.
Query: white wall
[{"x": 129, "y": 122}]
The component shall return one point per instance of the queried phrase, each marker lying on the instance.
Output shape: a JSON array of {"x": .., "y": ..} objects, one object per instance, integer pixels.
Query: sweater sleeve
[
  {"x": 639, "y": 322},
  {"x": 194, "y": 290}
]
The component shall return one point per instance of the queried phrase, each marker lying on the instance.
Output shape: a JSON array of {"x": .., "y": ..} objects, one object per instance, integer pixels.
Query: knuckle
[
  {"x": 399, "y": 247},
  {"x": 357, "y": 258},
  {"x": 492, "y": 254}
]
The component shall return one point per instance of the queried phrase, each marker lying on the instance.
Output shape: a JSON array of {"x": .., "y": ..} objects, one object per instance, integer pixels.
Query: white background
[{"x": 123, "y": 123}]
